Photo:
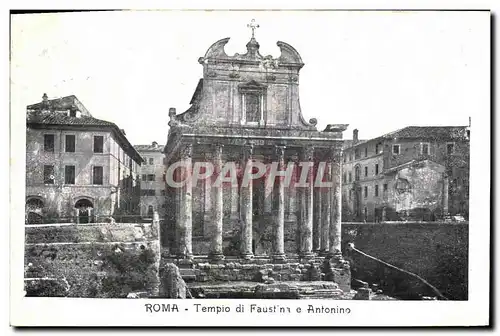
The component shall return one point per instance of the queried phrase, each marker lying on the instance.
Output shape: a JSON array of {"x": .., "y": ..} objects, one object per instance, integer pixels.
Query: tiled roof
[
  {"x": 55, "y": 118},
  {"x": 418, "y": 132},
  {"x": 350, "y": 143},
  {"x": 60, "y": 104},
  {"x": 452, "y": 132},
  {"x": 149, "y": 148},
  {"x": 61, "y": 119}
]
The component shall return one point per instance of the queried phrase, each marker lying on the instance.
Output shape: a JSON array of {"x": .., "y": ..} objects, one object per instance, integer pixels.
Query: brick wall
[{"x": 438, "y": 252}]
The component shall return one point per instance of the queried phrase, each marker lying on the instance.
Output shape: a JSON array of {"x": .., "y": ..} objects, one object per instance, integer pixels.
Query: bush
[{"x": 127, "y": 271}]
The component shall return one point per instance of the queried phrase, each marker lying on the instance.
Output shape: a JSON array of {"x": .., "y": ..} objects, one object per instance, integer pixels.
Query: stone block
[
  {"x": 363, "y": 294},
  {"x": 342, "y": 277}
]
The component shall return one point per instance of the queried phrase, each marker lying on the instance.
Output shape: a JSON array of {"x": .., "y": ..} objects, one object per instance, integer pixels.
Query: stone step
[{"x": 188, "y": 274}]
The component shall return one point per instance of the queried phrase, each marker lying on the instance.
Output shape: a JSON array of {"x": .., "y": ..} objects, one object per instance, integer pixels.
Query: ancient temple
[{"x": 246, "y": 110}]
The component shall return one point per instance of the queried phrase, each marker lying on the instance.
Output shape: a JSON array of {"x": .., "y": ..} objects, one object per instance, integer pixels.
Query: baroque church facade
[{"x": 244, "y": 110}]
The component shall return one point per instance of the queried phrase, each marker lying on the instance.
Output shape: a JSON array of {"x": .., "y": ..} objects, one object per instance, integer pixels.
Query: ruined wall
[
  {"x": 92, "y": 260},
  {"x": 438, "y": 252}
]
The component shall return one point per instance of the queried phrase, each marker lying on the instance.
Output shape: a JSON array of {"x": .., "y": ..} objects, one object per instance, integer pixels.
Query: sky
[{"x": 376, "y": 71}]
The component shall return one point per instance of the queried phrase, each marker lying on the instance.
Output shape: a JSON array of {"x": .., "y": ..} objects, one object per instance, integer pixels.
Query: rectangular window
[
  {"x": 385, "y": 187},
  {"x": 164, "y": 178},
  {"x": 350, "y": 194},
  {"x": 366, "y": 151},
  {"x": 48, "y": 174},
  {"x": 376, "y": 148},
  {"x": 151, "y": 161},
  {"x": 98, "y": 144},
  {"x": 162, "y": 192},
  {"x": 350, "y": 177},
  {"x": 145, "y": 161},
  {"x": 365, "y": 190},
  {"x": 450, "y": 148},
  {"x": 376, "y": 169},
  {"x": 70, "y": 144},
  {"x": 144, "y": 177},
  {"x": 376, "y": 190},
  {"x": 366, "y": 171},
  {"x": 97, "y": 176},
  {"x": 356, "y": 153},
  {"x": 395, "y": 149},
  {"x": 424, "y": 148},
  {"x": 69, "y": 174},
  {"x": 48, "y": 142},
  {"x": 344, "y": 158},
  {"x": 151, "y": 177},
  {"x": 252, "y": 107}
]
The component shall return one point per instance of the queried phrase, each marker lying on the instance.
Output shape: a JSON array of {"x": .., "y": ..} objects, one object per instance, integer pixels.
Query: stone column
[
  {"x": 326, "y": 210},
  {"x": 317, "y": 211},
  {"x": 279, "y": 224},
  {"x": 445, "y": 194},
  {"x": 246, "y": 194},
  {"x": 218, "y": 211},
  {"x": 292, "y": 193},
  {"x": 335, "y": 214},
  {"x": 268, "y": 194},
  {"x": 306, "y": 206},
  {"x": 185, "y": 222}
]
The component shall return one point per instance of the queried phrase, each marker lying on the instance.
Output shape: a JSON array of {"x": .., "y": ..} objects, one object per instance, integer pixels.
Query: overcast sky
[{"x": 376, "y": 71}]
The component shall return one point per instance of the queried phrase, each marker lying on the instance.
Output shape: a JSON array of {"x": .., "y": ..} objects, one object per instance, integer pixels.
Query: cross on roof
[{"x": 252, "y": 25}]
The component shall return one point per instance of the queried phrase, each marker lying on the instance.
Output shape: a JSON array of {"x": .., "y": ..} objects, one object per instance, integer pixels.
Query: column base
[
  {"x": 336, "y": 254},
  {"x": 324, "y": 253},
  {"x": 185, "y": 262},
  {"x": 247, "y": 256},
  {"x": 278, "y": 257},
  {"x": 306, "y": 255},
  {"x": 216, "y": 256}
]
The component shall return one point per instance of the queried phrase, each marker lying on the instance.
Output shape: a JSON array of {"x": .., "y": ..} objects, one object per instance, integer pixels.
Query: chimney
[
  {"x": 123, "y": 131},
  {"x": 154, "y": 144},
  {"x": 45, "y": 102},
  {"x": 355, "y": 136},
  {"x": 172, "y": 111}
]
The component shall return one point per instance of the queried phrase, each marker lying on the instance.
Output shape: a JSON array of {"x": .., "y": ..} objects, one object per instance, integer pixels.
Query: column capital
[
  {"x": 186, "y": 151},
  {"x": 279, "y": 151},
  {"x": 217, "y": 147},
  {"x": 247, "y": 151},
  {"x": 307, "y": 153}
]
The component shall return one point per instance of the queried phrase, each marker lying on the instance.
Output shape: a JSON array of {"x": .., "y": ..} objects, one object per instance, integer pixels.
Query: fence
[{"x": 37, "y": 219}]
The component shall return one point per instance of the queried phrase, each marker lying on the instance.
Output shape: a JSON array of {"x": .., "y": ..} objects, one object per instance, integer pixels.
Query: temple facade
[{"x": 245, "y": 112}]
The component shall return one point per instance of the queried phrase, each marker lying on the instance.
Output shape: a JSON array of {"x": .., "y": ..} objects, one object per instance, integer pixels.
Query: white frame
[
  {"x": 453, "y": 151},
  {"x": 244, "y": 109},
  {"x": 422, "y": 148},
  {"x": 399, "y": 149},
  {"x": 93, "y": 173},
  {"x": 65, "y": 135},
  {"x": 54, "y": 147},
  {"x": 93, "y": 144}
]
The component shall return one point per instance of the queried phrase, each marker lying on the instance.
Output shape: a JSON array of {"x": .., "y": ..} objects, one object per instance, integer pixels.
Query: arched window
[
  {"x": 357, "y": 173},
  {"x": 85, "y": 209},
  {"x": 34, "y": 208}
]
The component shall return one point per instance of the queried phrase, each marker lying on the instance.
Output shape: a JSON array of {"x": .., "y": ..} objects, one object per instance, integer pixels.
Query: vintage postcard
[{"x": 250, "y": 168}]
